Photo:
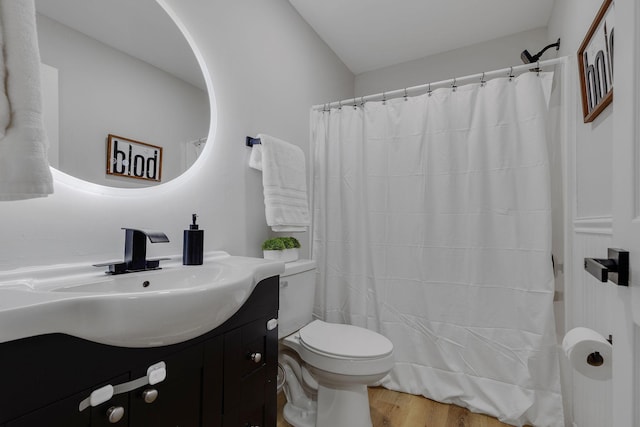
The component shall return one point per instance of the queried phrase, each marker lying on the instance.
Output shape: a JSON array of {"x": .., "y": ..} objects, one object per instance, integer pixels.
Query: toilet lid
[{"x": 344, "y": 340}]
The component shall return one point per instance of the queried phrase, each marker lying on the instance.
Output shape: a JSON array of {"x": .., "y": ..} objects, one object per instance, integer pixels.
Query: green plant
[
  {"x": 288, "y": 242},
  {"x": 274, "y": 244},
  {"x": 280, "y": 243},
  {"x": 295, "y": 242}
]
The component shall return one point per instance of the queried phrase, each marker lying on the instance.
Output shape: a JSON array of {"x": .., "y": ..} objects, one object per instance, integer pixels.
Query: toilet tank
[{"x": 297, "y": 293}]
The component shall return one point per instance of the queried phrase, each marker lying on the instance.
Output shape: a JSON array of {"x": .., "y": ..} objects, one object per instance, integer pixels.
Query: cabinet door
[
  {"x": 250, "y": 369},
  {"x": 175, "y": 402}
]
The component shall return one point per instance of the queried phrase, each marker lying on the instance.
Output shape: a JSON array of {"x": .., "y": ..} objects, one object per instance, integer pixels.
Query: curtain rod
[{"x": 406, "y": 91}]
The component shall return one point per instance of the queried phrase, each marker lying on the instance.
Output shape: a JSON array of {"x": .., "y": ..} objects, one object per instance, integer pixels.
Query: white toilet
[{"x": 327, "y": 366}]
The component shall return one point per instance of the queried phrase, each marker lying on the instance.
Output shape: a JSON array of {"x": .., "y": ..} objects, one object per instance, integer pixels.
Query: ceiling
[
  {"x": 365, "y": 34},
  {"x": 371, "y": 34},
  {"x": 140, "y": 28}
]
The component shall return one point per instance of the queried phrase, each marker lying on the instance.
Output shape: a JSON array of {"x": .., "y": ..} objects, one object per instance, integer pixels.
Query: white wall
[
  {"x": 492, "y": 55},
  {"x": 267, "y": 67},
  {"x": 589, "y": 206},
  {"x": 103, "y": 90},
  {"x": 571, "y": 19}
]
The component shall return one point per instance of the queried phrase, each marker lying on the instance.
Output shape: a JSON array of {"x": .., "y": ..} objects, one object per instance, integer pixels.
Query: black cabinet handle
[
  {"x": 255, "y": 357},
  {"x": 150, "y": 395},
  {"x": 115, "y": 414}
]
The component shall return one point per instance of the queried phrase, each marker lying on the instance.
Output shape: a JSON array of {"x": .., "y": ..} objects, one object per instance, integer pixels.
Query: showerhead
[{"x": 527, "y": 58}]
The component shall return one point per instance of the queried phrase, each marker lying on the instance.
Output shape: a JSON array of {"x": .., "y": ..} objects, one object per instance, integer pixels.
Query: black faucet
[{"x": 135, "y": 252}]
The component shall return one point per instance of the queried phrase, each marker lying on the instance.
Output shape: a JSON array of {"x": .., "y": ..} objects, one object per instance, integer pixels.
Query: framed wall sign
[
  {"x": 595, "y": 62},
  {"x": 133, "y": 159}
]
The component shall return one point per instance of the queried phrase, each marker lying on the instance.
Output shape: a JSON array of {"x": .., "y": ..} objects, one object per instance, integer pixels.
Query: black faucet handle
[
  {"x": 135, "y": 252},
  {"x": 153, "y": 235}
]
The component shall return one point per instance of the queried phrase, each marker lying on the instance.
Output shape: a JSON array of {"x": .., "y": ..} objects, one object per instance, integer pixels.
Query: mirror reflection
[{"x": 120, "y": 68}]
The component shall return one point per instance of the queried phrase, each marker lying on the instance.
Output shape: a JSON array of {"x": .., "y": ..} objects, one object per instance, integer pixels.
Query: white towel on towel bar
[
  {"x": 285, "y": 184},
  {"x": 24, "y": 167},
  {"x": 255, "y": 161}
]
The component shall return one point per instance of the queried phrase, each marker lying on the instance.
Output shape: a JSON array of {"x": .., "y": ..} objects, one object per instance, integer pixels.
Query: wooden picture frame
[
  {"x": 133, "y": 159},
  {"x": 595, "y": 63}
]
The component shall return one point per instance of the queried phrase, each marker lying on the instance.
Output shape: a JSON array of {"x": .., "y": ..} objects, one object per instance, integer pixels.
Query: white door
[{"x": 626, "y": 214}]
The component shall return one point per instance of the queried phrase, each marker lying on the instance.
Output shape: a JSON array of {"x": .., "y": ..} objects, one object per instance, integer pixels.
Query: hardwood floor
[{"x": 394, "y": 409}]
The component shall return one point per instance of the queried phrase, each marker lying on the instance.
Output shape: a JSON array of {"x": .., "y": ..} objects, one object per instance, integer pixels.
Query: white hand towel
[
  {"x": 24, "y": 167},
  {"x": 255, "y": 161},
  {"x": 285, "y": 185}
]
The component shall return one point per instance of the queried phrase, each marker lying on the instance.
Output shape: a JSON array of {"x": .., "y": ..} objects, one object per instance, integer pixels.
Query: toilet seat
[
  {"x": 321, "y": 350},
  {"x": 344, "y": 341}
]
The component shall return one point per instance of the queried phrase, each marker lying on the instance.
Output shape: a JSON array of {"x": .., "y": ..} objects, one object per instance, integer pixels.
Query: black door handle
[{"x": 614, "y": 268}]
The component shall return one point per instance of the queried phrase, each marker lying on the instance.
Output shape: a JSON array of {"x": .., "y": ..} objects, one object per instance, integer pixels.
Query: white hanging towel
[
  {"x": 285, "y": 183},
  {"x": 255, "y": 161},
  {"x": 24, "y": 167}
]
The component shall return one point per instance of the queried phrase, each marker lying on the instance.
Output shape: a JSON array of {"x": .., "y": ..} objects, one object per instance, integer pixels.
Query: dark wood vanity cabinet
[{"x": 225, "y": 378}]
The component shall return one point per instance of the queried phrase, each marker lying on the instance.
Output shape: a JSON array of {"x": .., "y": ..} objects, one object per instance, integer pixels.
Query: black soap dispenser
[{"x": 193, "y": 244}]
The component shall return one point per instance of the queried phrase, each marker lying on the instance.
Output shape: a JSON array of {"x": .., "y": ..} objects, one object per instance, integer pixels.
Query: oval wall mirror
[{"x": 125, "y": 101}]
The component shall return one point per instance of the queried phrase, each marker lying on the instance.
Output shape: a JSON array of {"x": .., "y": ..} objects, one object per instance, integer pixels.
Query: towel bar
[{"x": 252, "y": 141}]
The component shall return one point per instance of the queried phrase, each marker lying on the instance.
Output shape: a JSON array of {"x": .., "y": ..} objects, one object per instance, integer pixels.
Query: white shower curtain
[{"x": 432, "y": 226}]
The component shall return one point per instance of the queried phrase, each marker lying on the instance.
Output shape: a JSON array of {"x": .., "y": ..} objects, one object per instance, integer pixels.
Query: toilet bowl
[{"x": 327, "y": 366}]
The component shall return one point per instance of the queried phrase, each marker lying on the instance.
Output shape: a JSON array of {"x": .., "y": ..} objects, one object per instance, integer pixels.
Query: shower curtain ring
[
  {"x": 510, "y": 73},
  {"x": 454, "y": 86},
  {"x": 429, "y": 89},
  {"x": 355, "y": 105},
  {"x": 362, "y": 101},
  {"x": 339, "y": 105},
  {"x": 482, "y": 80},
  {"x": 405, "y": 94},
  {"x": 384, "y": 98},
  {"x": 538, "y": 68}
]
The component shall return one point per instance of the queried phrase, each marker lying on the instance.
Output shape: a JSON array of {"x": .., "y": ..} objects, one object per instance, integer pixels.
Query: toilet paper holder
[
  {"x": 595, "y": 358},
  {"x": 614, "y": 268}
]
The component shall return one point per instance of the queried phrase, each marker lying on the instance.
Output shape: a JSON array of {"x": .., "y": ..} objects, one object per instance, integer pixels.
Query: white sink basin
[
  {"x": 166, "y": 279},
  {"x": 143, "y": 309}
]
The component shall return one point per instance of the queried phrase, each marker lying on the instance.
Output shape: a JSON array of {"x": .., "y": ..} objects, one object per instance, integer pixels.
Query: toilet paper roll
[{"x": 579, "y": 343}]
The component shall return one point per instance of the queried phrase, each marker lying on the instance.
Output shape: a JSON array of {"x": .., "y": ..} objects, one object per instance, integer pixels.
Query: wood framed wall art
[
  {"x": 595, "y": 62},
  {"x": 133, "y": 159}
]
